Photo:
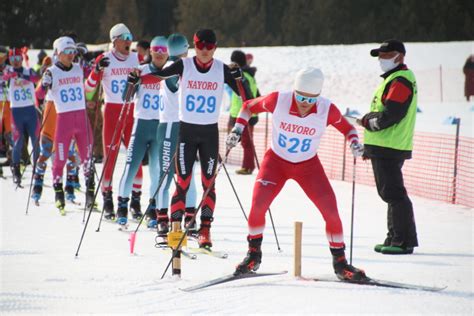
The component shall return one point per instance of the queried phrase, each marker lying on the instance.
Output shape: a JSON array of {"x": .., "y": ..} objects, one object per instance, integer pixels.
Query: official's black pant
[{"x": 400, "y": 219}]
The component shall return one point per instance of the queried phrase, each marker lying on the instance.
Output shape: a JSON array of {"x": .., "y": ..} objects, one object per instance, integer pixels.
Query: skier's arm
[
  {"x": 397, "y": 100},
  {"x": 258, "y": 105},
  {"x": 95, "y": 77},
  {"x": 336, "y": 119},
  {"x": 175, "y": 69}
]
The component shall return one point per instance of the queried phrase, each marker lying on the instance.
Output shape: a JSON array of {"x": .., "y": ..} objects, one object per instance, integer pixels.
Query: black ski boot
[
  {"x": 59, "y": 197},
  {"x": 135, "y": 207},
  {"x": 70, "y": 195},
  {"x": 90, "y": 193},
  {"x": 16, "y": 173},
  {"x": 37, "y": 188},
  {"x": 188, "y": 216},
  {"x": 163, "y": 222},
  {"x": 253, "y": 259},
  {"x": 108, "y": 205},
  {"x": 150, "y": 214},
  {"x": 122, "y": 211},
  {"x": 344, "y": 271}
]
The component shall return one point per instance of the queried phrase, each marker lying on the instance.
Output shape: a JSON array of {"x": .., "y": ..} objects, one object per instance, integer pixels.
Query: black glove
[
  {"x": 236, "y": 73},
  {"x": 102, "y": 63},
  {"x": 370, "y": 121},
  {"x": 133, "y": 78}
]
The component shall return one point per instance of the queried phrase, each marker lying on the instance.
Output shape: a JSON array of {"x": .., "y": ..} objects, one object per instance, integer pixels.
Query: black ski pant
[
  {"x": 390, "y": 187},
  {"x": 195, "y": 139}
]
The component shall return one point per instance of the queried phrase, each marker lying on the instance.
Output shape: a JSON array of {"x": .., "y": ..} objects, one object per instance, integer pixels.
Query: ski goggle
[
  {"x": 16, "y": 58},
  {"x": 159, "y": 49},
  {"x": 302, "y": 98},
  {"x": 202, "y": 45},
  {"x": 69, "y": 51},
  {"x": 125, "y": 37}
]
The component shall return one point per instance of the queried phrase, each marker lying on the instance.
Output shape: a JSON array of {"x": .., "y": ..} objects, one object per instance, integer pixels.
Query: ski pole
[
  {"x": 193, "y": 219},
  {"x": 160, "y": 183},
  {"x": 91, "y": 162},
  {"x": 130, "y": 90},
  {"x": 242, "y": 95},
  {"x": 235, "y": 192},
  {"x": 352, "y": 207}
]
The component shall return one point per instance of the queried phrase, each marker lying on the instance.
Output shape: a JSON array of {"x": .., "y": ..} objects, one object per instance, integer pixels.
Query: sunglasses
[
  {"x": 302, "y": 98},
  {"x": 16, "y": 58},
  {"x": 202, "y": 45},
  {"x": 159, "y": 49},
  {"x": 69, "y": 51},
  {"x": 125, "y": 37}
]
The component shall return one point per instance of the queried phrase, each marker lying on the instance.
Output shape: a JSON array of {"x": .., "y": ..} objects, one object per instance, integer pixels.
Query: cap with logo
[{"x": 391, "y": 45}]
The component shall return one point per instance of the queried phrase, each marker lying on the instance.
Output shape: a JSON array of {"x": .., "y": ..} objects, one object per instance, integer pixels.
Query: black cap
[
  {"x": 205, "y": 35},
  {"x": 391, "y": 45},
  {"x": 238, "y": 57}
]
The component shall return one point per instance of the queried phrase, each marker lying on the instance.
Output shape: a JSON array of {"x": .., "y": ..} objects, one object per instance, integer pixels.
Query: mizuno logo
[{"x": 265, "y": 182}]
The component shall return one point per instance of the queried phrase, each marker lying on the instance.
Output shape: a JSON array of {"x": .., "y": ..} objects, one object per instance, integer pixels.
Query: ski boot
[
  {"x": 204, "y": 233},
  {"x": 37, "y": 188},
  {"x": 163, "y": 222},
  {"x": 135, "y": 207},
  {"x": 253, "y": 259},
  {"x": 343, "y": 270},
  {"x": 122, "y": 211},
  {"x": 70, "y": 195},
  {"x": 90, "y": 193},
  {"x": 16, "y": 173},
  {"x": 188, "y": 216},
  {"x": 59, "y": 197},
  {"x": 150, "y": 215},
  {"x": 108, "y": 205},
  {"x": 74, "y": 178}
]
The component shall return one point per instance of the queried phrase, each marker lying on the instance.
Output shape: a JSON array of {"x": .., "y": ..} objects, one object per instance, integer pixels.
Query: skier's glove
[
  {"x": 235, "y": 71},
  {"x": 357, "y": 149},
  {"x": 47, "y": 79},
  {"x": 234, "y": 137},
  {"x": 133, "y": 78},
  {"x": 102, "y": 63}
]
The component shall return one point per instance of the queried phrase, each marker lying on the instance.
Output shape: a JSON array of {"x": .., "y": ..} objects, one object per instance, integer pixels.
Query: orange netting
[{"x": 431, "y": 173}]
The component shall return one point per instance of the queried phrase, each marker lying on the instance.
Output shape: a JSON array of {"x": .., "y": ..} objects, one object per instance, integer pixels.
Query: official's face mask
[{"x": 388, "y": 64}]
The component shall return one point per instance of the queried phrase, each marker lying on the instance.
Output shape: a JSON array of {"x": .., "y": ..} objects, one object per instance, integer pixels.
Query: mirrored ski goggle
[
  {"x": 302, "y": 98},
  {"x": 159, "y": 49},
  {"x": 202, "y": 45},
  {"x": 69, "y": 51},
  {"x": 16, "y": 58},
  {"x": 126, "y": 37}
]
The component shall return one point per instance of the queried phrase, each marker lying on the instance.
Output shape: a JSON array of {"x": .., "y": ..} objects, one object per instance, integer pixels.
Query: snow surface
[{"x": 40, "y": 274}]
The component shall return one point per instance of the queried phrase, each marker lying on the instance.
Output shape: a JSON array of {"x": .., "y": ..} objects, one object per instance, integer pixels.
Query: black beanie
[
  {"x": 238, "y": 57},
  {"x": 205, "y": 35}
]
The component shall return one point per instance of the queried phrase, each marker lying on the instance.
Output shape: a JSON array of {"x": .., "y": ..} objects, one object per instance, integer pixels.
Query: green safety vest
[
  {"x": 236, "y": 101},
  {"x": 400, "y": 135}
]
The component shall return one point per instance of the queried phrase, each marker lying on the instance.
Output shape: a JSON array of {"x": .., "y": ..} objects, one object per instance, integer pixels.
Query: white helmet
[
  {"x": 117, "y": 30},
  {"x": 309, "y": 80}
]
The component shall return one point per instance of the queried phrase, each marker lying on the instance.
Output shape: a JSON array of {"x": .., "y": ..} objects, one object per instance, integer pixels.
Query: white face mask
[{"x": 388, "y": 64}]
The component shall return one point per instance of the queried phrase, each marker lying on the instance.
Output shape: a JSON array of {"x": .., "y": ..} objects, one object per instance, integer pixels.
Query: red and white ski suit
[{"x": 293, "y": 155}]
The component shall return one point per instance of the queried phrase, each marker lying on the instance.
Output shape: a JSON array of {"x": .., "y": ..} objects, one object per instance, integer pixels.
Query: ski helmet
[
  {"x": 177, "y": 44},
  {"x": 309, "y": 80}
]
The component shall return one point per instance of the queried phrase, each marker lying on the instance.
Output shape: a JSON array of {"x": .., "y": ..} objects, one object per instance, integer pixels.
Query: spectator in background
[
  {"x": 250, "y": 86},
  {"x": 143, "y": 50},
  {"x": 249, "y": 58},
  {"x": 388, "y": 138},
  {"x": 468, "y": 70},
  {"x": 41, "y": 55}
]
